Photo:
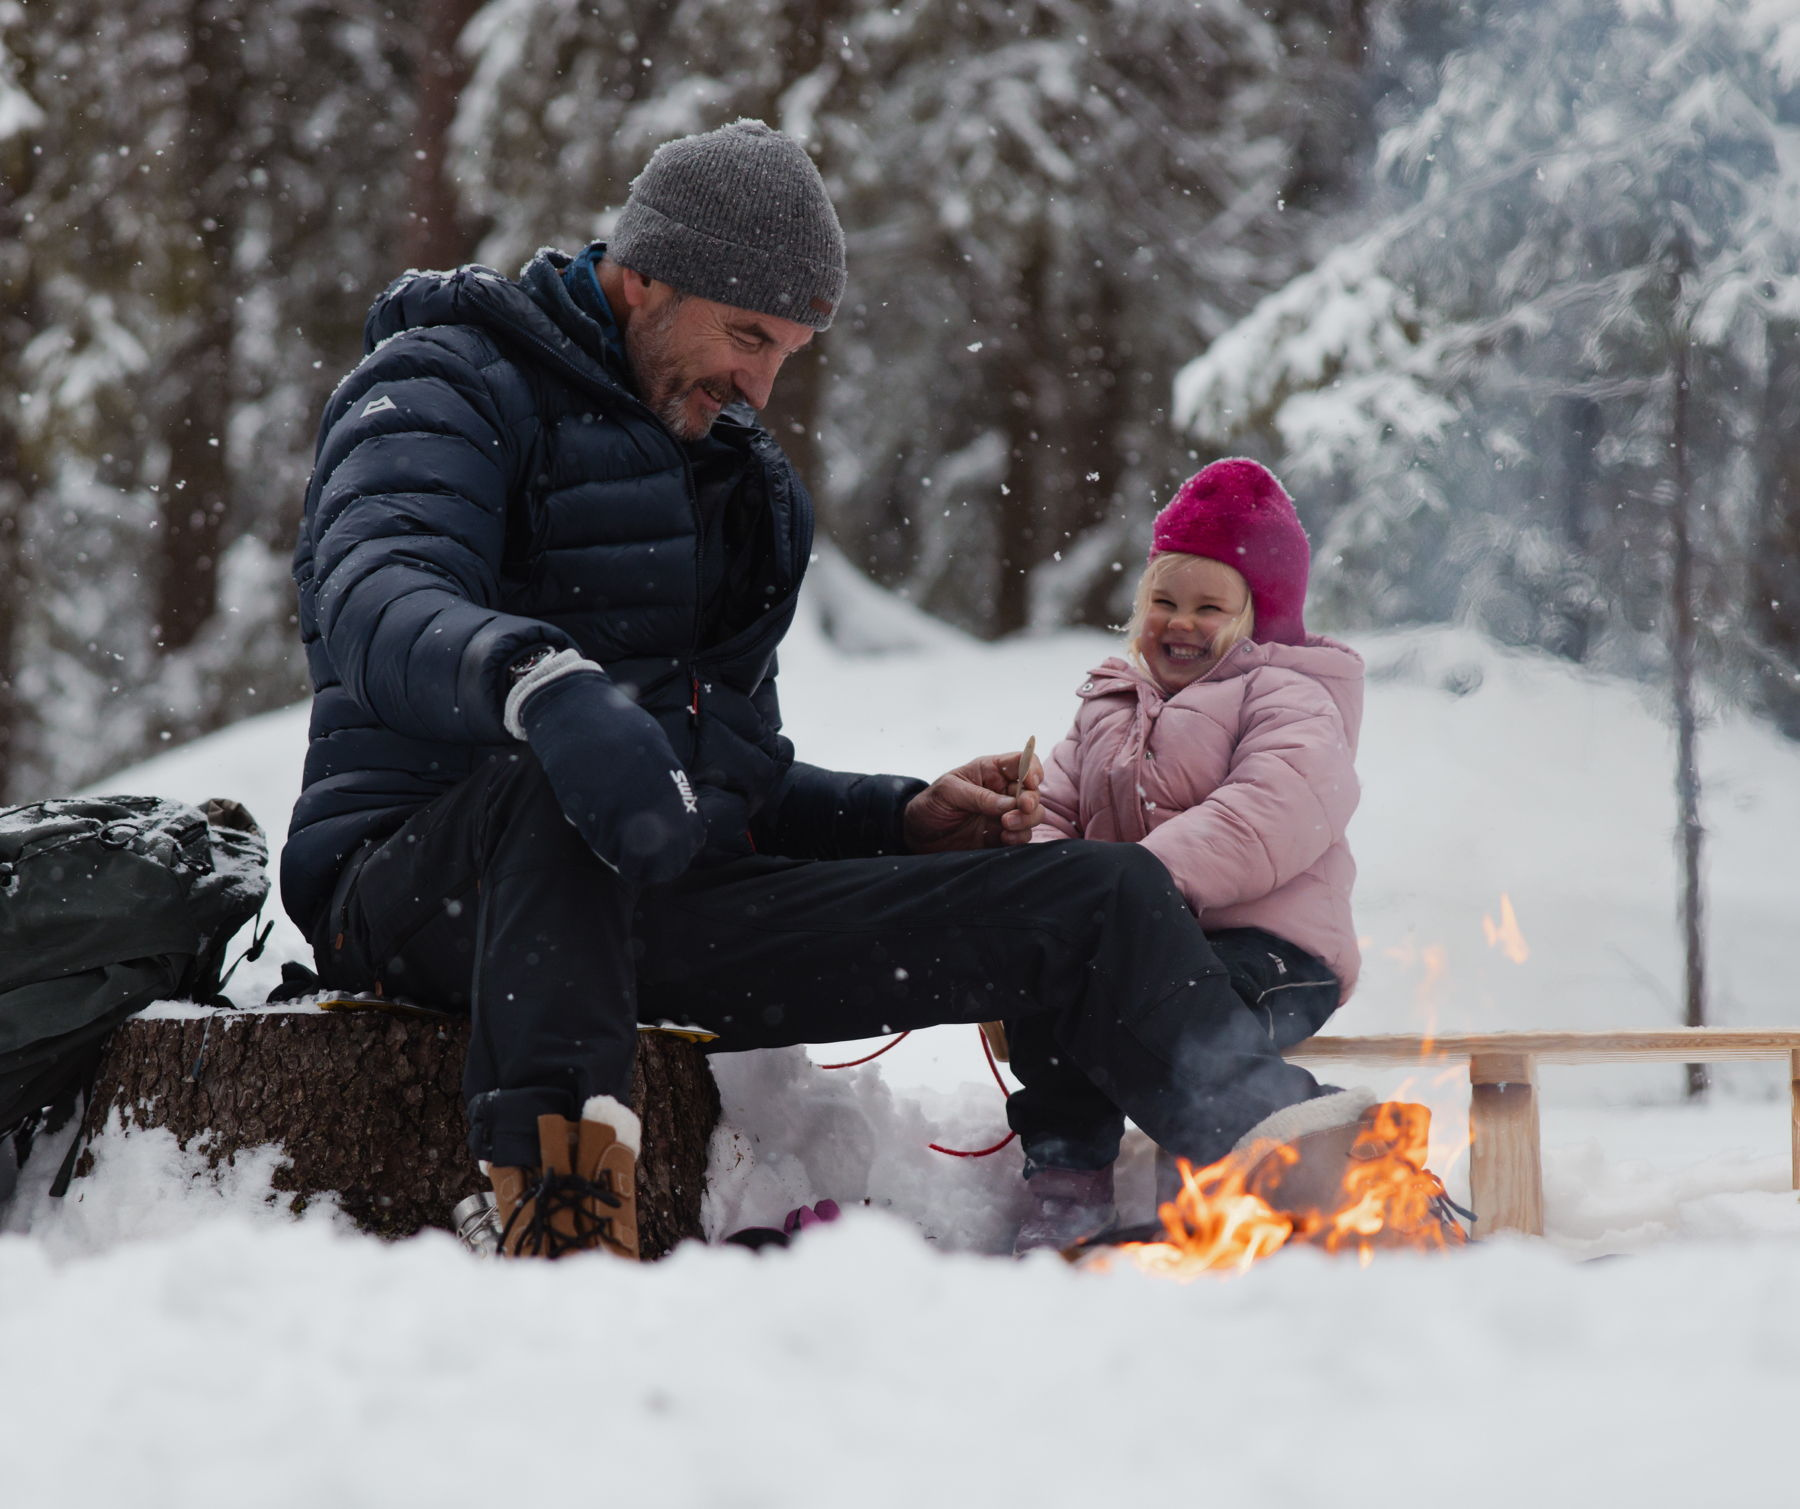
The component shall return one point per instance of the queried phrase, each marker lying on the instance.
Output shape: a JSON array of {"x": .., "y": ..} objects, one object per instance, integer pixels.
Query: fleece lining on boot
[
  {"x": 1320, "y": 1114},
  {"x": 608, "y": 1112},
  {"x": 620, "y": 1117}
]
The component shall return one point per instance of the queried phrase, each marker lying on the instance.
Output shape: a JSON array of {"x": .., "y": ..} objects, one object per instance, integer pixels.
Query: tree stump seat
[
  {"x": 364, "y": 1099},
  {"x": 1506, "y": 1175}
]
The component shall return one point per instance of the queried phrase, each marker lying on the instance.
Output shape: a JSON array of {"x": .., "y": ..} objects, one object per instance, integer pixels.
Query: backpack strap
[
  {"x": 252, "y": 952},
  {"x": 59, "y": 1186}
]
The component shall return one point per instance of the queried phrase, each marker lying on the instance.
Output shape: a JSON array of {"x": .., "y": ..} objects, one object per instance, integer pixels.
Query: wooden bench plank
[
  {"x": 1505, "y": 1154},
  {"x": 1669, "y": 1044}
]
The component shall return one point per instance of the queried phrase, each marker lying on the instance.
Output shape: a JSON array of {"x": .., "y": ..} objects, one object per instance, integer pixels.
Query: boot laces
[
  {"x": 558, "y": 1194},
  {"x": 1444, "y": 1210},
  {"x": 1448, "y": 1210}
]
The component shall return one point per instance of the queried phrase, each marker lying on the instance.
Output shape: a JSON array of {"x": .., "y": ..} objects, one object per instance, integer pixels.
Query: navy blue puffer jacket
[{"x": 486, "y": 482}]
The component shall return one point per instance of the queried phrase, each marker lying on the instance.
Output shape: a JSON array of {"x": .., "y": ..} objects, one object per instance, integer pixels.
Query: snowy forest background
[{"x": 1509, "y": 295}]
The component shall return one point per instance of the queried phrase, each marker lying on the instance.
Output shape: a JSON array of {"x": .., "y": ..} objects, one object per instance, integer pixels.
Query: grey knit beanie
[{"x": 740, "y": 216}]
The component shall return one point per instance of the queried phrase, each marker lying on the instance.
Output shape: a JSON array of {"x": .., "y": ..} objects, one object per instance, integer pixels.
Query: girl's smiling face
[{"x": 1189, "y": 604}]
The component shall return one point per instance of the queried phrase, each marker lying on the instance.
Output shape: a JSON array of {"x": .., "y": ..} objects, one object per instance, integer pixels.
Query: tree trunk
[
  {"x": 367, "y": 1106},
  {"x": 14, "y": 498},
  {"x": 1104, "y": 442},
  {"x": 1689, "y": 833},
  {"x": 1772, "y": 601},
  {"x": 18, "y": 323},
  {"x": 196, "y": 495},
  {"x": 437, "y": 233},
  {"x": 1582, "y": 430},
  {"x": 1033, "y": 417}
]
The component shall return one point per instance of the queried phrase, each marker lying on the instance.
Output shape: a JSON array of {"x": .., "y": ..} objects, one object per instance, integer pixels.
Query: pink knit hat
[{"x": 1236, "y": 512}]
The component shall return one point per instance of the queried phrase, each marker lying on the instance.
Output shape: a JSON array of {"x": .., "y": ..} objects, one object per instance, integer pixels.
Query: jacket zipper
[{"x": 614, "y": 393}]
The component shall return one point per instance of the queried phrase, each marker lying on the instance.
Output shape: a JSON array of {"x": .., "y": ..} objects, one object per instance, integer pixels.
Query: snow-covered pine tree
[
  {"x": 1052, "y": 201},
  {"x": 214, "y": 191},
  {"x": 1475, "y": 394},
  {"x": 1048, "y": 204},
  {"x": 567, "y": 100},
  {"x": 1545, "y": 389}
]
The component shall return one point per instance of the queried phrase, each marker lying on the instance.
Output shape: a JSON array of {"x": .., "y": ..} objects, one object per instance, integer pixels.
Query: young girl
[{"x": 1226, "y": 746}]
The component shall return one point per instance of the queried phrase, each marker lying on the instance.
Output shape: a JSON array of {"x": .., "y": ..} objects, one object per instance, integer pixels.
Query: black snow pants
[
  {"x": 1065, "y": 1120},
  {"x": 488, "y": 900}
]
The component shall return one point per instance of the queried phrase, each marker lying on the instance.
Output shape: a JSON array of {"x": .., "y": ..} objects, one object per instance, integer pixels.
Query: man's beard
[{"x": 657, "y": 370}]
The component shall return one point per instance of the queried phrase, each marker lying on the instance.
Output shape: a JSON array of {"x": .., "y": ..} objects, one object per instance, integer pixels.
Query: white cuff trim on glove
[{"x": 551, "y": 668}]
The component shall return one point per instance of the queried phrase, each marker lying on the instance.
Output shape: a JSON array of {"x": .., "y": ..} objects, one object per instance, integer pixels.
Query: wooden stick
[
  {"x": 995, "y": 1032},
  {"x": 1018, "y": 786}
]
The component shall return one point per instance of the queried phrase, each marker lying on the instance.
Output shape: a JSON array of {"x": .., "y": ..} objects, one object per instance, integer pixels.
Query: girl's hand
[{"x": 973, "y": 806}]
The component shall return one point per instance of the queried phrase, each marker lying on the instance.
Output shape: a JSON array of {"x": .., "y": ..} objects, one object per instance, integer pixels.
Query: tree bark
[
  {"x": 1689, "y": 833},
  {"x": 1772, "y": 601},
  {"x": 15, "y": 499},
  {"x": 1034, "y": 415},
  {"x": 198, "y": 397},
  {"x": 437, "y": 233},
  {"x": 18, "y": 484},
  {"x": 367, "y": 1106}
]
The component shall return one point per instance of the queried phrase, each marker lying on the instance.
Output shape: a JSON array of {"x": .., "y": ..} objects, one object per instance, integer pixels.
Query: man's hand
[
  {"x": 611, "y": 767},
  {"x": 973, "y": 806}
]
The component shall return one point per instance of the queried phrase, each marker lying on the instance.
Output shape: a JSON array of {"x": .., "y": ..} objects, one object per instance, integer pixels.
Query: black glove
[
  {"x": 611, "y": 767},
  {"x": 727, "y": 817}
]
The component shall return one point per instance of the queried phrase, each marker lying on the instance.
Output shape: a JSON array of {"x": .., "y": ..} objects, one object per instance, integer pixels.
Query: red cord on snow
[
  {"x": 993, "y": 1068},
  {"x": 980, "y": 1152},
  {"x": 983, "y": 1152},
  {"x": 891, "y": 1043}
]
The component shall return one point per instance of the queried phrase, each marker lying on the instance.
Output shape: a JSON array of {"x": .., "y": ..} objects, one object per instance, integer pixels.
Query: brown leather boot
[{"x": 583, "y": 1196}]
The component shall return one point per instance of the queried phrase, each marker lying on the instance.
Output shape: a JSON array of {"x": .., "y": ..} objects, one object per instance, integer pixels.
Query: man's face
[{"x": 691, "y": 357}]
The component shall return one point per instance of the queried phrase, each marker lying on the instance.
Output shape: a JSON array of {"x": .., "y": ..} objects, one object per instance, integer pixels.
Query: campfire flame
[
  {"x": 1214, "y": 1224},
  {"x": 1505, "y": 934},
  {"x": 1393, "y": 1196},
  {"x": 1219, "y": 1222},
  {"x": 1433, "y": 962}
]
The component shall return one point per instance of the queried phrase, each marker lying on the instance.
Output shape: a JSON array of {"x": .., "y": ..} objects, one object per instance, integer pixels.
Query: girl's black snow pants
[{"x": 488, "y": 900}]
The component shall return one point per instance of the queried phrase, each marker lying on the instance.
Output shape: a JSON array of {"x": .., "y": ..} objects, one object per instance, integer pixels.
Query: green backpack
[{"x": 106, "y": 905}]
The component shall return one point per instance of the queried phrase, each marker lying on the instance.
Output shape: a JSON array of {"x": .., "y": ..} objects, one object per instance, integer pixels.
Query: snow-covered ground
[{"x": 167, "y": 1340}]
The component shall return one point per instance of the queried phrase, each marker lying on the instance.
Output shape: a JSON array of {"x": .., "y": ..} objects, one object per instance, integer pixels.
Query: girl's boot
[
  {"x": 1068, "y": 1205},
  {"x": 1300, "y": 1161},
  {"x": 1311, "y": 1177}
]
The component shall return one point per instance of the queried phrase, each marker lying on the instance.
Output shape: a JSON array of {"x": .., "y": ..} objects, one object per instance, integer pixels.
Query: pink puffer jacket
[{"x": 1242, "y": 784}]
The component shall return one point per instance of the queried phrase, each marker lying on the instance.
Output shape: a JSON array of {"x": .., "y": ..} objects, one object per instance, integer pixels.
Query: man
[{"x": 546, "y": 562}]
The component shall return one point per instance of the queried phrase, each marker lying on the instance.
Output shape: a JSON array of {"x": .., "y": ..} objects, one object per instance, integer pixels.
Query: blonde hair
[{"x": 1159, "y": 570}]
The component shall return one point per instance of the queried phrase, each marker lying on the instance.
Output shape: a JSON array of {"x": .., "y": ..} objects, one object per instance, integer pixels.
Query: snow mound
[
  {"x": 291, "y": 1369},
  {"x": 221, "y": 1351},
  {"x": 1488, "y": 774}
]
